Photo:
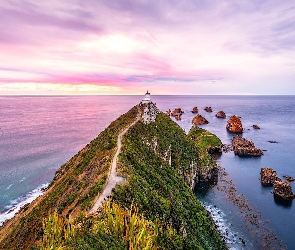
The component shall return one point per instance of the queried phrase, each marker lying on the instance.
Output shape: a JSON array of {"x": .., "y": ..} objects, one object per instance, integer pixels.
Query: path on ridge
[{"x": 113, "y": 179}]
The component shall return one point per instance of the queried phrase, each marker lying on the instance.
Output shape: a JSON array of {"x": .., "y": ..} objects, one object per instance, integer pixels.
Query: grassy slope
[
  {"x": 159, "y": 191},
  {"x": 162, "y": 191},
  {"x": 73, "y": 189},
  {"x": 204, "y": 140}
]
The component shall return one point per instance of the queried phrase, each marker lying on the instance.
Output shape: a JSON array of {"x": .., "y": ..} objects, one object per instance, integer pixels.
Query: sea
[{"x": 40, "y": 133}]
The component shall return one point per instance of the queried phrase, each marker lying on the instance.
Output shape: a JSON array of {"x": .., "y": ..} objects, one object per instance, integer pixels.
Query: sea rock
[
  {"x": 208, "y": 109},
  {"x": 178, "y": 117},
  {"x": 255, "y": 126},
  {"x": 168, "y": 112},
  {"x": 199, "y": 120},
  {"x": 177, "y": 111},
  {"x": 205, "y": 175},
  {"x": 244, "y": 147},
  {"x": 288, "y": 178},
  {"x": 195, "y": 110},
  {"x": 272, "y": 141},
  {"x": 283, "y": 190},
  {"x": 220, "y": 114},
  {"x": 214, "y": 150},
  {"x": 268, "y": 176},
  {"x": 234, "y": 125}
]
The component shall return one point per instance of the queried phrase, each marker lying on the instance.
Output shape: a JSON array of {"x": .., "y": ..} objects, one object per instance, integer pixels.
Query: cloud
[{"x": 130, "y": 44}]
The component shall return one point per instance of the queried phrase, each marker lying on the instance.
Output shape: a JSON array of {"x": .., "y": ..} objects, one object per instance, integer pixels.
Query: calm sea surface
[{"x": 39, "y": 134}]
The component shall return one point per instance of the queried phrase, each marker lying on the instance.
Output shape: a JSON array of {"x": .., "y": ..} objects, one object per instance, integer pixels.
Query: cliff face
[
  {"x": 160, "y": 164},
  {"x": 207, "y": 144}
]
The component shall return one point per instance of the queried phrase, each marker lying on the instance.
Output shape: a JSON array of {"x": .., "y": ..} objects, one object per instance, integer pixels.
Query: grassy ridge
[
  {"x": 160, "y": 190},
  {"x": 72, "y": 191},
  {"x": 154, "y": 209}
]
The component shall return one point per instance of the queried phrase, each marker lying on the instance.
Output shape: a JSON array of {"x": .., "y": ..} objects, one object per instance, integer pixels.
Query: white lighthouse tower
[{"x": 147, "y": 98}]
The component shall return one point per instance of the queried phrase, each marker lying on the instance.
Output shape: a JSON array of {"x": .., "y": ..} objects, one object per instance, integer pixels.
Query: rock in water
[
  {"x": 288, "y": 178},
  {"x": 283, "y": 190},
  {"x": 199, "y": 120},
  {"x": 234, "y": 125},
  {"x": 220, "y": 114},
  {"x": 176, "y": 112},
  {"x": 168, "y": 112},
  {"x": 195, "y": 110},
  {"x": 244, "y": 147},
  {"x": 255, "y": 126},
  {"x": 208, "y": 109},
  {"x": 268, "y": 176}
]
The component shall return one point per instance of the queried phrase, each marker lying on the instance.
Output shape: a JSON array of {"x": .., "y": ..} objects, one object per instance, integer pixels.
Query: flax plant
[
  {"x": 136, "y": 231},
  {"x": 57, "y": 231}
]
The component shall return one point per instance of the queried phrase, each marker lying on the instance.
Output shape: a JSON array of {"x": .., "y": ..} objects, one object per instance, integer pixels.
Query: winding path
[{"x": 113, "y": 179}]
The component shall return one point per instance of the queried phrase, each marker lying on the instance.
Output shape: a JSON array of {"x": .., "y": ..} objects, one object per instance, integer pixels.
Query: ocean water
[{"x": 39, "y": 134}]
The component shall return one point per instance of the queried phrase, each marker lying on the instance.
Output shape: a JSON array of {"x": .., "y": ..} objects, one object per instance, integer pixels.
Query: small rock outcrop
[
  {"x": 199, "y": 120},
  {"x": 283, "y": 190},
  {"x": 244, "y": 147},
  {"x": 195, "y": 110},
  {"x": 288, "y": 178},
  {"x": 234, "y": 125},
  {"x": 176, "y": 113},
  {"x": 208, "y": 109},
  {"x": 256, "y": 126},
  {"x": 220, "y": 114},
  {"x": 268, "y": 176},
  {"x": 168, "y": 112}
]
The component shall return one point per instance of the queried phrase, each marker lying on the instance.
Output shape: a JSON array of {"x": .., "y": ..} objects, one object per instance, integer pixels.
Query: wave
[
  {"x": 232, "y": 239},
  {"x": 10, "y": 210}
]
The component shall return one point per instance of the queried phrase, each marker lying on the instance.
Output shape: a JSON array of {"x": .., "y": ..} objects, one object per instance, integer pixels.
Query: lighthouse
[{"x": 147, "y": 98}]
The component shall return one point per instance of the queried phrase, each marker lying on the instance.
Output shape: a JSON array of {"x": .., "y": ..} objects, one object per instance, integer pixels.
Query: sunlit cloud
[{"x": 124, "y": 47}]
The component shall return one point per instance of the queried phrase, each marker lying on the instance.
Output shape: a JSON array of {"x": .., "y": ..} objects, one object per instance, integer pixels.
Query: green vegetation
[
  {"x": 204, "y": 140},
  {"x": 161, "y": 191},
  {"x": 72, "y": 191},
  {"x": 154, "y": 209}
]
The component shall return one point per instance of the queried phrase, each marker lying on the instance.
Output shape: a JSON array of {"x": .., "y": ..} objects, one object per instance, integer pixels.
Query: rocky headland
[{"x": 160, "y": 164}]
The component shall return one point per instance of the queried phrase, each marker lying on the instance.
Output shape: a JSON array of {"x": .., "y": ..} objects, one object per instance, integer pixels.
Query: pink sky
[{"x": 167, "y": 47}]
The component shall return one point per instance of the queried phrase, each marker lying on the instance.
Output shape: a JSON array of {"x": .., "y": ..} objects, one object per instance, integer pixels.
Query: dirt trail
[{"x": 113, "y": 179}]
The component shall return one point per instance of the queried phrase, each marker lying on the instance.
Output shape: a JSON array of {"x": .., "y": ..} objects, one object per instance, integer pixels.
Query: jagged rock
[
  {"x": 244, "y": 147},
  {"x": 199, "y": 120},
  {"x": 195, "y": 110},
  {"x": 168, "y": 112},
  {"x": 220, "y": 114},
  {"x": 234, "y": 125},
  {"x": 214, "y": 150},
  {"x": 205, "y": 175},
  {"x": 208, "y": 109},
  {"x": 255, "y": 126},
  {"x": 283, "y": 190},
  {"x": 288, "y": 178},
  {"x": 150, "y": 113},
  {"x": 268, "y": 176},
  {"x": 177, "y": 111},
  {"x": 272, "y": 141}
]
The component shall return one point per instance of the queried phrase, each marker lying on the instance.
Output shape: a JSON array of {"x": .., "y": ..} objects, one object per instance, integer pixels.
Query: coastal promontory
[{"x": 159, "y": 163}]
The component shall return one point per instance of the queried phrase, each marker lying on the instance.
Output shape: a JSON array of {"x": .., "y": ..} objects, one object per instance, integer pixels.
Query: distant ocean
[{"x": 38, "y": 134}]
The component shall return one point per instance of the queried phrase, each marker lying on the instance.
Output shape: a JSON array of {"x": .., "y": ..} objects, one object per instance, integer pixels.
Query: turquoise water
[{"x": 39, "y": 134}]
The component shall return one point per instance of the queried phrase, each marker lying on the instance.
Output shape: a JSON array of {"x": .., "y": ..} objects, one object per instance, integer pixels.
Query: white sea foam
[
  {"x": 230, "y": 237},
  {"x": 15, "y": 205}
]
